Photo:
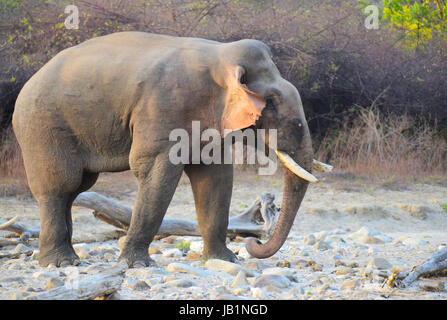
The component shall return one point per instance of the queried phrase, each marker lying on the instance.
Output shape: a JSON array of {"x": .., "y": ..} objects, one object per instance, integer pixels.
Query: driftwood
[
  {"x": 22, "y": 230},
  {"x": 98, "y": 285},
  {"x": 259, "y": 220},
  {"x": 436, "y": 265}
]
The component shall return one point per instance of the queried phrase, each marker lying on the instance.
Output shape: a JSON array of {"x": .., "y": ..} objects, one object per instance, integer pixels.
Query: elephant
[{"x": 109, "y": 104}]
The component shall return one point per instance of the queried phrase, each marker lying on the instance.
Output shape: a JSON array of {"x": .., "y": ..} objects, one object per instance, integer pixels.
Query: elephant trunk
[{"x": 294, "y": 189}]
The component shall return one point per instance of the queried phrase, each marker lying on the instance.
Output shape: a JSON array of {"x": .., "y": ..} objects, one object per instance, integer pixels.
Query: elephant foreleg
[
  {"x": 212, "y": 187},
  {"x": 157, "y": 181}
]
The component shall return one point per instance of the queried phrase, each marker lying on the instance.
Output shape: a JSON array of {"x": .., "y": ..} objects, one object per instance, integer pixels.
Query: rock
[
  {"x": 222, "y": 265},
  {"x": 184, "y": 268},
  {"x": 170, "y": 239},
  {"x": 272, "y": 280},
  {"x": 379, "y": 263},
  {"x": 343, "y": 271},
  {"x": 35, "y": 255},
  {"x": 21, "y": 248},
  {"x": 153, "y": 250},
  {"x": 137, "y": 285},
  {"x": 172, "y": 253},
  {"x": 419, "y": 212},
  {"x": 285, "y": 272},
  {"x": 193, "y": 256},
  {"x": 180, "y": 283},
  {"x": 350, "y": 285},
  {"x": 369, "y": 235},
  {"x": 253, "y": 265},
  {"x": 353, "y": 265},
  {"x": 283, "y": 264},
  {"x": 239, "y": 290},
  {"x": 323, "y": 288},
  {"x": 54, "y": 283},
  {"x": 240, "y": 280},
  {"x": 243, "y": 253},
  {"x": 121, "y": 242},
  {"x": 431, "y": 285},
  {"x": 316, "y": 267},
  {"x": 322, "y": 245},
  {"x": 309, "y": 240},
  {"x": 44, "y": 274},
  {"x": 239, "y": 239},
  {"x": 82, "y": 250},
  {"x": 339, "y": 263},
  {"x": 196, "y": 246},
  {"x": 17, "y": 296},
  {"x": 108, "y": 257},
  {"x": 258, "y": 293}
]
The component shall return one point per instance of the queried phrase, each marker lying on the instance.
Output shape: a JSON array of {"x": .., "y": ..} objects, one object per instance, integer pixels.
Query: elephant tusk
[
  {"x": 320, "y": 166},
  {"x": 290, "y": 164},
  {"x": 8, "y": 223}
]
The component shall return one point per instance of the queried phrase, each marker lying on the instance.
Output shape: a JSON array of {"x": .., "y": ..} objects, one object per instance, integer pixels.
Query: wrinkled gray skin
[{"x": 109, "y": 105}]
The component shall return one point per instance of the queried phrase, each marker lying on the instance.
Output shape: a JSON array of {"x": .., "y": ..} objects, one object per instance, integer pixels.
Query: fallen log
[
  {"x": 258, "y": 220},
  {"x": 435, "y": 265},
  {"x": 90, "y": 287}
]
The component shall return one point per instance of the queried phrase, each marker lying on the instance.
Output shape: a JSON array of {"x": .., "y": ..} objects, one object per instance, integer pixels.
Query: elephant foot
[
  {"x": 222, "y": 254},
  {"x": 137, "y": 259},
  {"x": 60, "y": 258}
]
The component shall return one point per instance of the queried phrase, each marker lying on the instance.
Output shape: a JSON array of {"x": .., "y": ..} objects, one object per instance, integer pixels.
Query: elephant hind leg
[
  {"x": 55, "y": 231},
  {"x": 56, "y": 225},
  {"x": 55, "y": 180}
]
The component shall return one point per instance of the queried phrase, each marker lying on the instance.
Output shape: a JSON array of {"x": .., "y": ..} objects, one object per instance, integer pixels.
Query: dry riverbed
[{"x": 349, "y": 236}]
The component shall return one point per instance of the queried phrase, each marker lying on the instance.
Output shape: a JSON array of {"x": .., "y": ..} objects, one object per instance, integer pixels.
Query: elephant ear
[{"x": 242, "y": 106}]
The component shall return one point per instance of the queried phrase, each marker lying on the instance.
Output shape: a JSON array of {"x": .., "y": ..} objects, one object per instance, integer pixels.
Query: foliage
[
  {"x": 321, "y": 46},
  {"x": 420, "y": 22}
]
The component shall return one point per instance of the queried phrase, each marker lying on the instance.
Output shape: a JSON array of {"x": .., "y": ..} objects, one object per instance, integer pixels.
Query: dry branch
[
  {"x": 105, "y": 283},
  {"x": 435, "y": 265},
  {"x": 259, "y": 220}
]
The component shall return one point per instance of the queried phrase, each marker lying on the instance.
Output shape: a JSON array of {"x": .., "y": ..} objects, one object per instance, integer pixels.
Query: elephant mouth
[{"x": 294, "y": 167}]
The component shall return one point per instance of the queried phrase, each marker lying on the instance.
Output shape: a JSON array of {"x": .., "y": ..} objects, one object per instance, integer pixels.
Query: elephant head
[{"x": 257, "y": 95}]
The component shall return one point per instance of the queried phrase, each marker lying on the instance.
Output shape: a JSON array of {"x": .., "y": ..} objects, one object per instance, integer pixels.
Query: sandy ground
[{"x": 407, "y": 217}]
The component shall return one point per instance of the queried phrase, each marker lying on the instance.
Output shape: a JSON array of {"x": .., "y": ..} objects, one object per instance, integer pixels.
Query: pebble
[
  {"x": 288, "y": 273},
  {"x": 343, "y": 270},
  {"x": 350, "y": 285},
  {"x": 369, "y": 235},
  {"x": 54, "y": 283},
  {"x": 258, "y": 293},
  {"x": 180, "y": 283},
  {"x": 222, "y": 265},
  {"x": 309, "y": 240},
  {"x": 243, "y": 253},
  {"x": 283, "y": 264},
  {"x": 21, "y": 248},
  {"x": 137, "y": 285},
  {"x": 153, "y": 250},
  {"x": 185, "y": 268},
  {"x": 272, "y": 280},
  {"x": 431, "y": 285},
  {"x": 44, "y": 274},
  {"x": 172, "y": 253},
  {"x": 196, "y": 246},
  {"x": 322, "y": 246},
  {"x": 82, "y": 250},
  {"x": 193, "y": 256},
  {"x": 379, "y": 263},
  {"x": 240, "y": 280}
]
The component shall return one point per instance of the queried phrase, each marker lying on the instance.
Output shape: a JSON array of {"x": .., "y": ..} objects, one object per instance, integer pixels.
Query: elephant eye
[
  {"x": 243, "y": 79},
  {"x": 272, "y": 102}
]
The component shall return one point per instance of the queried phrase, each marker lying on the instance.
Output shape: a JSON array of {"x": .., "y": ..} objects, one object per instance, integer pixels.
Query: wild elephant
[{"x": 110, "y": 103}]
